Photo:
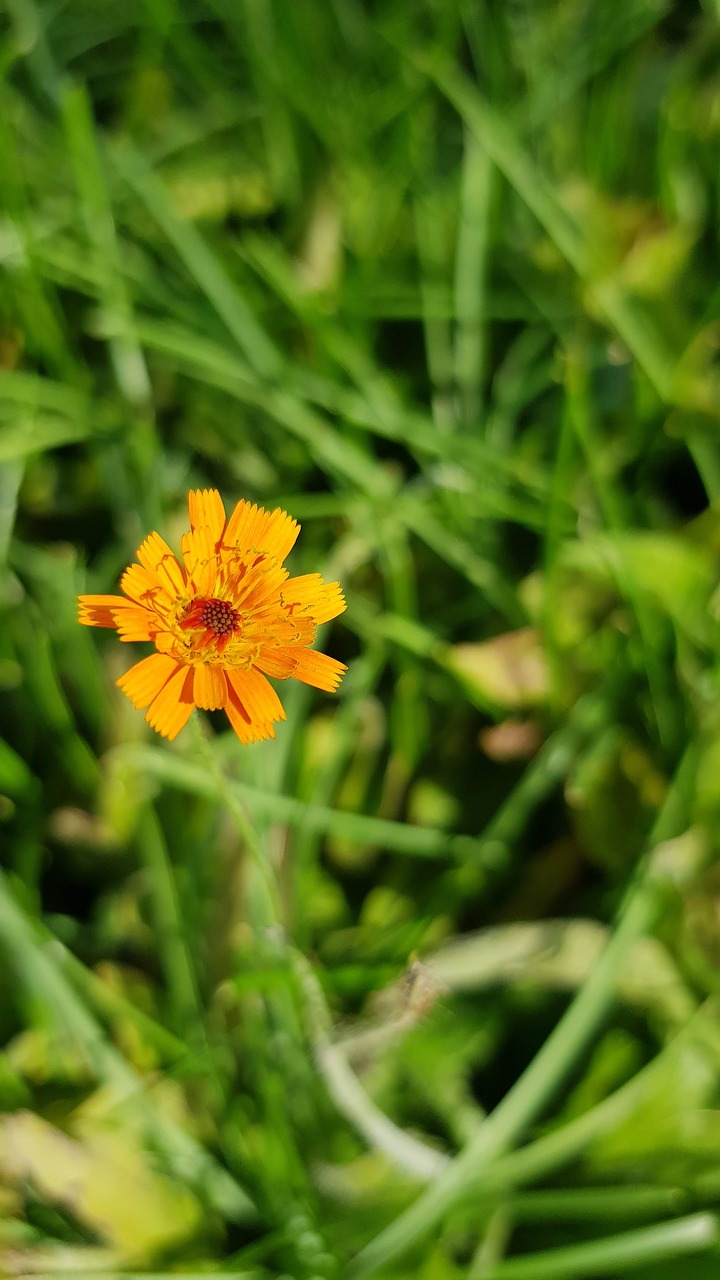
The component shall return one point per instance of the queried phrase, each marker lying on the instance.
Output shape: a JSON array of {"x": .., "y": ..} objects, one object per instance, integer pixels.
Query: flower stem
[{"x": 268, "y": 896}]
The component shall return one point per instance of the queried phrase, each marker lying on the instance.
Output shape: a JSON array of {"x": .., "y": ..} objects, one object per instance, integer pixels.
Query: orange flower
[{"x": 221, "y": 621}]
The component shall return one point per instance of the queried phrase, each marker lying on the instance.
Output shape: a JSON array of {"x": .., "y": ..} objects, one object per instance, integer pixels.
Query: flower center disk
[{"x": 219, "y": 616}]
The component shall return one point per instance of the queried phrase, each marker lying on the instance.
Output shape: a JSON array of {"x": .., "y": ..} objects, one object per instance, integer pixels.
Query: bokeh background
[{"x": 441, "y": 279}]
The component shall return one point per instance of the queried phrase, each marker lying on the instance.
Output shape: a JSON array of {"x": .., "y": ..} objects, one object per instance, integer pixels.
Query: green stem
[{"x": 267, "y": 904}]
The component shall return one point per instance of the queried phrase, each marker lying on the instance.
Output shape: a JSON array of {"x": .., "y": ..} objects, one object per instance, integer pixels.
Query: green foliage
[{"x": 428, "y": 985}]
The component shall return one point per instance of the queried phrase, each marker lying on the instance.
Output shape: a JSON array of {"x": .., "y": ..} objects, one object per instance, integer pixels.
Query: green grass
[{"x": 427, "y": 986}]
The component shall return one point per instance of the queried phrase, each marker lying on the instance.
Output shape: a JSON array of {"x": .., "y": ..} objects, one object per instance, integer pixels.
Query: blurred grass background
[{"x": 441, "y": 279}]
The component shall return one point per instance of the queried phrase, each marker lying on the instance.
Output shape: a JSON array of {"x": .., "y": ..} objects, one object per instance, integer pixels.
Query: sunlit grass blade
[
  {"x": 200, "y": 261},
  {"x": 615, "y": 1255},
  {"x": 421, "y": 842},
  {"x": 506, "y": 151},
  {"x": 478, "y": 181},
  {"x": 127, "y": 357}
]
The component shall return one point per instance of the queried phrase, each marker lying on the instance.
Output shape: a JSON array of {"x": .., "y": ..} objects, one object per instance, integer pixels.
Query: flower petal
[
  {"x": 259, "y": 585},
  {"x": 136, "y": 623},
  {"x": 279, "y": 534},
  {"x": 166, "y": 642},
  {"x": 155, "y": 555},
  {"x": 98, "y": 611},
  {"x": 206, "y": 509},
  {"x": 133, "y": 622},
  {"x": 277, "y": 660},
  {"x": 243, "y": 526},
  {"x": 199, "y": 558},
  {"x": 293, "y": 630},
  {"x": 317, "y": 669},
  {"x": 210, "y": 686},
  {"x": 171, "y": 709},
  {"x": 144, "y": 588},
  {"x": 144, "y": 681},
  {"x": 255, "y": 694},
  {"x": 246, "y": 731},
  {"x": 308, "y": 594},
  {"x": 252, "y": 705},
  {"x": 251, "y": 528}
]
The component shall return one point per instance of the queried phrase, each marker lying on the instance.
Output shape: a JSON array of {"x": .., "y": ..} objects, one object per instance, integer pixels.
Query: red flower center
[{"x": 219, "y": 617}]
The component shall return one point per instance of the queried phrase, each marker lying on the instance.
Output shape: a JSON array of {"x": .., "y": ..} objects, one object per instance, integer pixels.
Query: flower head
[{"x": 221, "y": 621}]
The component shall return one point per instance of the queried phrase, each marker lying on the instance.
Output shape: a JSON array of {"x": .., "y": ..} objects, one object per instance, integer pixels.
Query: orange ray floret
[{"x": 222, "y": 619}]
